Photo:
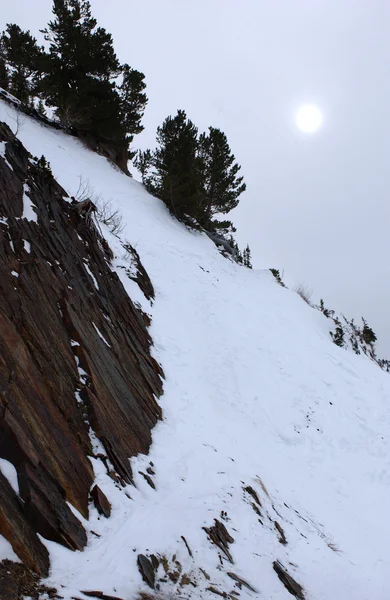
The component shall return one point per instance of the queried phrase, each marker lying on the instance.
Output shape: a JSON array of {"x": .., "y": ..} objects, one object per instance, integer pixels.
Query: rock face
[{"x": 74, "y": 355}]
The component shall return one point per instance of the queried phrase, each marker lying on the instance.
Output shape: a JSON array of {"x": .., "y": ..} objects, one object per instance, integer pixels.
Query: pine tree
[
  {"x": 194, "y": 176},
  {"x": 4, "y": 79},
  {"x": 170, "y": 171},
  {"x": 246, "y": 257},
  {"x": 368, "y": 334},
  {"x": 219, "y": 174},
  {"x": 23, "y": 57},
  {"x": 4, "y": 76},
  {"x": 133, "y": 101},
  {"x": 80, "y": 66},
  {"x": 40, "y": 108}
]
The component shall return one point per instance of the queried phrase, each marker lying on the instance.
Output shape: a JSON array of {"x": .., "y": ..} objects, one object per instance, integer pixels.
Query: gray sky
[{"x": 316, "y": 206}]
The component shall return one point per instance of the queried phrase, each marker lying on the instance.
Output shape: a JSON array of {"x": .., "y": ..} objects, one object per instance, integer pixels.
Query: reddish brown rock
[
  {"x": 288, "y": 581},
  {"x": 219, "y": 535},
  {"x": 100, "y": 501},
  {"x": 17, "y": 530},
  {"x": 47, "y": 310}
]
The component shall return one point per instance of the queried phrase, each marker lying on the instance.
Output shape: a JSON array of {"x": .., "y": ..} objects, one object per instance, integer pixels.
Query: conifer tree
[
  {"x": 219, "y": 174},
  {"x": 246, "y": 257},
  {"x": 368, "y": 334},
  {"x": 22, "y": 56},
  {"x": 133, "y": 101},
  {"x": 194, "y": 176},
  {"x": 170, "y": 171},
  {"x": 4, "y": 80},
  {"x": 40, "y": 108},
  {"x": 80, "y": 66}
]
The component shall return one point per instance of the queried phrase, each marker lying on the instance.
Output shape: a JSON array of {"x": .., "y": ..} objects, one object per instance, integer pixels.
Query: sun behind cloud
[{"x": 309, "y": 118}]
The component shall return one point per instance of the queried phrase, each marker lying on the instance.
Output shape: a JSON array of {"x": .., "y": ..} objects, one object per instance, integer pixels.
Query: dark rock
[
  {"x": 289, "y": 582},
  {"x": 148, "y": 479},
  {"x": 45, "y": 507},
  {"x": 100, "y": 595},
  {"x": 241, "y": 581},
  {"x": 249, "y": 489},
  {"x": 282, "y": 537},
  {"x": 187, "y": 546},
  {"x": 214, "y": 590},
  {"x": 9, "y": 589},
  {"x": 44, "y": 430},
  {"x": 17, "y": 530},
  {"x": 220, "y": 536},
  {"x": 100, "y": 501},
  {"x": 17, "y": 582},
  {"x": 142, "y": 278},
  {"x": 146, "y": 568}
]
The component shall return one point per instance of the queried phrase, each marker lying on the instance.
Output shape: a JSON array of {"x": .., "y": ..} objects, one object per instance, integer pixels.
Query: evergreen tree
[
  {"x": 143, "y": 160},
  {"x": 338, "y": 335},
  {"x": 194, "y": 176},
  {"x": 23, "y": 57},
  {"x": 170, "y": 171},
  {"x": 4, "y": 80},
  {"x": 40, "y": 108},
  {"x": 80, "y": 66},
  {"x": 246, "y": 257},
  {"x": 133, "y": 101},
  {"x": 219, "y": 175},
  {"x": 368, "y": 334},
  {"x": 224, "y": 227},
  {"x": 4, "y": 77}
]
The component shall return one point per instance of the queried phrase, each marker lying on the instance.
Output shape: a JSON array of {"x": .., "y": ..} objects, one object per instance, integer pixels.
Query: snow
[
  {"x": 6, "y": 551},
  {"x": 15, "y": 273},
  {"x": 10, "y": 473},
  {"x": 28, "y": 207},
  {"x": 92, "y": 276},
  {"x": 256, "y": 394},
  {"x": 101, "y": 335},
  {"x": 27, "y": 246}
]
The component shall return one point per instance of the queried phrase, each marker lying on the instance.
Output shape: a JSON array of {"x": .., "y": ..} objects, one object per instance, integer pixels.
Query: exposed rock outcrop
[
  {"x": 74, "y": 355},
  {"x": 100, "y": 501}
]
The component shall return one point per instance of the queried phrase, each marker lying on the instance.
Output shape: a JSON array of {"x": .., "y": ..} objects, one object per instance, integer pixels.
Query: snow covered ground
[{"x": 256, "y": 394}]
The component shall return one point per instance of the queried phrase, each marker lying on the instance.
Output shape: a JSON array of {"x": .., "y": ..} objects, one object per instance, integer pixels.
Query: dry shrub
[
  {"x": 105, "y": 211},
  {"x": 304, "y": 292}
]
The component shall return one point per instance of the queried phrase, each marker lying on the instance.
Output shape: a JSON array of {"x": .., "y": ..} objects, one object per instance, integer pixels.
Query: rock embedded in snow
[
  {"x": 146, "y": 569},
  {"x": 99, "y": 595},
  {"x": 220, "y": 536},
  {"x": 288, "y": 581},
  {"x": 100, "y": 501}
]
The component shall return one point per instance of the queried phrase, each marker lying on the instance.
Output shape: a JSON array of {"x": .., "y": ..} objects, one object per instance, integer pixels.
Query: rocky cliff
[{"x": 75, "y": 359}]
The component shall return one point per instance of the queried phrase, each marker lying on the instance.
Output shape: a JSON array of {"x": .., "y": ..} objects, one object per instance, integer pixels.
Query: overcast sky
[{"x": 317, "y": 205}]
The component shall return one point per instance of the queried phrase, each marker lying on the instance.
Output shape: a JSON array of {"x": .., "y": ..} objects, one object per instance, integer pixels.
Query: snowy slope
[{"x": 256, "y": 394}]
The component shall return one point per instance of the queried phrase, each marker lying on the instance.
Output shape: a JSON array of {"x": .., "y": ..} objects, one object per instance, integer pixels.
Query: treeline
[{"x": 78, "y": 77}]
